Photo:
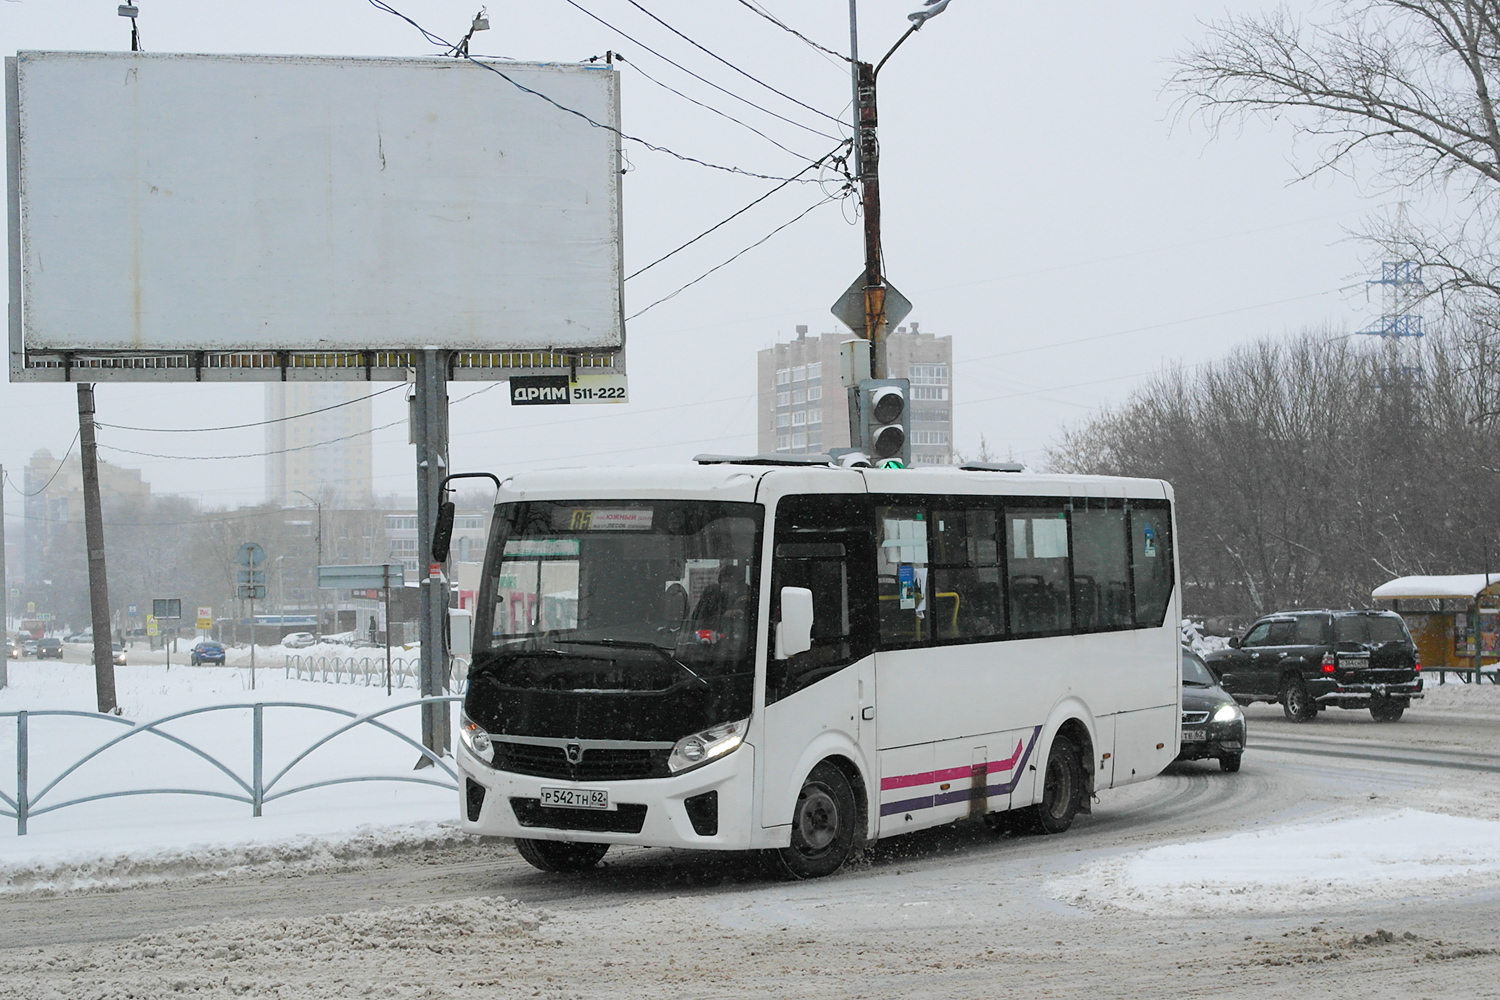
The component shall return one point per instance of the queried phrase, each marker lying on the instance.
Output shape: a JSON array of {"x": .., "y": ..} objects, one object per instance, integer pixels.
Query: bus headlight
[
  {"x": 1228, "y": 713},
  {"x": 700, "y": 748},
  {"x": 476, "y": 739}
]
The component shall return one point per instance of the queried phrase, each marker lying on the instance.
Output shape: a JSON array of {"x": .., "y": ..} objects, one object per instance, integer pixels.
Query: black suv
[{"x": 1308, "y": 660}]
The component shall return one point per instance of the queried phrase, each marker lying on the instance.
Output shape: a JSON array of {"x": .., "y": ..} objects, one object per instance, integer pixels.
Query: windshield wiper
[{"x": 629, "y": 644}]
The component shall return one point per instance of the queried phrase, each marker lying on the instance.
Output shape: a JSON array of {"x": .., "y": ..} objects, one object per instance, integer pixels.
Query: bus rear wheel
[
  {"x": 1062, "y": 785},
  {"x": 560, "y": 856},
  {"x": 823, "y": 825}
]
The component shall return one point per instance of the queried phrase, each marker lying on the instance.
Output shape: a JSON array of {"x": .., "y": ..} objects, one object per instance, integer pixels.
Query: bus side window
[
  {"x": 823, "y": 543},
  {"x": 1101, "y": 568},
  {"x": 1151, "y": 562},
  {"x": 901, "y": 570},
  {"x": 1039, "y": 586},
  {"x": 965, "y": 574}
]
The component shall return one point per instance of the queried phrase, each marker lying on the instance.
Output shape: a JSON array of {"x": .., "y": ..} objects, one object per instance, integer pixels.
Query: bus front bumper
[{"x": 707, "y": 808}]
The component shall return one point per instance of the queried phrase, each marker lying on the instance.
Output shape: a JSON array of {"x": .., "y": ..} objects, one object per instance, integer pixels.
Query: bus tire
[
  {"x": 1062, "y": 785},
  {"x": 560, "y": 856},
  {"x": 823, "y": 825}
]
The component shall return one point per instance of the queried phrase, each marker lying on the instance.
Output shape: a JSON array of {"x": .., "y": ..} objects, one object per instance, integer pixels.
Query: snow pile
[
  {"x": 1297, "y": 867},
  {"x": 1483, "y": 698}
]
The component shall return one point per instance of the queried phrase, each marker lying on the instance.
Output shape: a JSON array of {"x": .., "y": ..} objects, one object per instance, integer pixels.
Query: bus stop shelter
[{"x": 1455, "y": 621}]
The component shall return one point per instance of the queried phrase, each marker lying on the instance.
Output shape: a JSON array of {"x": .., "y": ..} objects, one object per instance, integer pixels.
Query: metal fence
[
  {"x": 254, "y": 791},
  {"x": 370, "y": 670}
]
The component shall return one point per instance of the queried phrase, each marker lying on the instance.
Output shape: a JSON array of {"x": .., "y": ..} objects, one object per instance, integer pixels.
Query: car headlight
[
  {"x": 476, "y": 739},
  {"x": 1228, "y": 713},
  {"x": 700, "y": 748}
]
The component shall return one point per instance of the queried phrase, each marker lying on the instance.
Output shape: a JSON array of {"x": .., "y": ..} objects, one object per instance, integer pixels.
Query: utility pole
[
  {"x": 867, "y": 142},
  {"x": 93, "y": 530},
  {"x": 430, "y": 434},
  {"x": 318, "y": 504}
]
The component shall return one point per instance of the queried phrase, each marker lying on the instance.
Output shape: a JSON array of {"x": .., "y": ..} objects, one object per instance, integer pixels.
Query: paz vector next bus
[{"x": 741, "y": 654}]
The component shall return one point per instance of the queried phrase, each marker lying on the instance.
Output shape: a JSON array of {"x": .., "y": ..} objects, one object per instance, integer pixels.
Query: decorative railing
[
  {"x": 370, "y": 671},
  {"x": 252, "y": 790}
]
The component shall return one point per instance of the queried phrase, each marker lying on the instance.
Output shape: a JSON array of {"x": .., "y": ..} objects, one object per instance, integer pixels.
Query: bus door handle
[{"x": 867, "y": 713}]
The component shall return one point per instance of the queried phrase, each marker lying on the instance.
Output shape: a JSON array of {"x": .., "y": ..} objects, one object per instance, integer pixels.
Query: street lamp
[{"x": 318, "y": 504}]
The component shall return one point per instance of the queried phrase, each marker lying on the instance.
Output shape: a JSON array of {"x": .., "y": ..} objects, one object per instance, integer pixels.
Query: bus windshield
[{"x": 620, "y": 598}]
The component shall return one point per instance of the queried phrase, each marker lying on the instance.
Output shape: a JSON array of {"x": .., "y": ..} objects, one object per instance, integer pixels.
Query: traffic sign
[
  {"x": 372, "y": 577},
  {"x": 244, "y": 576},
  {"x": 151, "y": 627},
  {"x": 250, "y": 554},
  {"x": 252, "y": 592},
  {"x": 205, "y": 617},
  {"x": 130, "y": 609},
  {"x": 850, "y": 308},
  {"x": 167, "y": 608}
]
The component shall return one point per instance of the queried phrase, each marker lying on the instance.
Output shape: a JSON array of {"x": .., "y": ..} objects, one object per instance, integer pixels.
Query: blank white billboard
[{"x": 190, "y": 202}]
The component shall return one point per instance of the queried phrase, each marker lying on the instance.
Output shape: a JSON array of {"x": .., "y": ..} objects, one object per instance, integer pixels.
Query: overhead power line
[
  {"x": 798, "y": 218},
  {"x": 708, "y": 107},
  {"x": 55, "y": 471},
  {"x": 749, "y": 76},
  {"x": 767, "y": 15},
  {"x": 381, "y": 5},
  {"x": 668, "y": 59},
  {"x": 817, "y": 163},
  {"x": 257, "y": 423}
]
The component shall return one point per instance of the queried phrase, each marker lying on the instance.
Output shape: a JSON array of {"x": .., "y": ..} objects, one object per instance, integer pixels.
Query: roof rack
[
  {"x": 762, "y": 459},
  {"x": 993, "y": 467}
]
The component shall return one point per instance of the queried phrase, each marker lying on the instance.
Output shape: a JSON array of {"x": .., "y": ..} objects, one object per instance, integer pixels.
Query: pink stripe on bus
[{"x": 948, "y": 774}]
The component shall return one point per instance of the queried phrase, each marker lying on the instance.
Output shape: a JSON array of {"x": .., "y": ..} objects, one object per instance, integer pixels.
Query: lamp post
[
  {"x": 867, "y": 168},
  {"x": 318, "y": 504}
]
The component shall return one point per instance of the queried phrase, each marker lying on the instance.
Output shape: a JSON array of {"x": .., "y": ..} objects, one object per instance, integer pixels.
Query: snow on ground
[
  {"x": 147, "y": 837},
  {"x": 1305, "y": 866}
]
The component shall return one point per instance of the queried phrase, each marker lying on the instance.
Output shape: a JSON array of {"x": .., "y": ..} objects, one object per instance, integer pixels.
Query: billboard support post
[
  {"x": 4, "y": 591},
  {"x": 93, "y": 531},
  {"x": 430, "y": 413}
]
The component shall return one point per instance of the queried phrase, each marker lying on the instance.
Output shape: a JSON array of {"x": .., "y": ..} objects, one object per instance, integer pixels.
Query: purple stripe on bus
[{"x": 962, "y": 794}]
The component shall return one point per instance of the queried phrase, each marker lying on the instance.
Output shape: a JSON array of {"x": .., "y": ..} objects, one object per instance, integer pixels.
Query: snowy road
[{"x": 946, "y": 913}]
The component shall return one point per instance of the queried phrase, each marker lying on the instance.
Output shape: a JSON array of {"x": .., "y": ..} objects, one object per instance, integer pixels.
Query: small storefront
[{"x": 1455, "y": 620}]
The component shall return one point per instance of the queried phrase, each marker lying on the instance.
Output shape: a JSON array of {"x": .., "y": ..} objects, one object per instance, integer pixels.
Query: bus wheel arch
[{"x": 1083, "y": 743}]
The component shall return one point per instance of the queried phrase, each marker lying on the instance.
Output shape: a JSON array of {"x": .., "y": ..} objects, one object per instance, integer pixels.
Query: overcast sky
[{"x": 1040, "y": 203}]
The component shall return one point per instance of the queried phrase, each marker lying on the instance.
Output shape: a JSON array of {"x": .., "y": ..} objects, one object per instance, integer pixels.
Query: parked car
[
  {"x": 1213, "y": 725},
  {"x": 49, "y": 648},
  {"x": 119, "y": 655},
  {"x": 1308, "y": 660},
  {"x": 207, "y": 651},
  {"x": 299, "y": 640},
  {"x": 86, "y": 636}
]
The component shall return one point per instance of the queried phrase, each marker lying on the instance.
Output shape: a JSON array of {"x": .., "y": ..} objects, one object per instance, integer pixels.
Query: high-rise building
[
  {"x": 803, "y": 408},
  {"x": 326, "y": 454},
  {"x": 54, "y": 504}
]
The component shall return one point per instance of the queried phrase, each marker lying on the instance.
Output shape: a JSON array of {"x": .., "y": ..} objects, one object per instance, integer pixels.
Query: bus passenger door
[{"x": 826, "y": 695}]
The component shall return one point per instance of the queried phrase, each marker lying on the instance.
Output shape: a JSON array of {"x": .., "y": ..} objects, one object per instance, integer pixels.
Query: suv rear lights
[
  {"x": 1417, "y": 667},
  {"x": 1328, "y": 663}
]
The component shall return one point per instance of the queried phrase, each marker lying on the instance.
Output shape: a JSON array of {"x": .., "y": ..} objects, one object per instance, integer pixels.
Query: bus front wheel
[
  {"x": 560, "y": 856},
  {"x": 1062, "y": 785},
  {"x": 823, "y": 825}
]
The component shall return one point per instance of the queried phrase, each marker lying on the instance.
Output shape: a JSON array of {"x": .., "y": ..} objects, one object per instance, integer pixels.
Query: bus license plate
[
  {"x": 1194, "y": 735},
  {"x": 576, "y": 798}
]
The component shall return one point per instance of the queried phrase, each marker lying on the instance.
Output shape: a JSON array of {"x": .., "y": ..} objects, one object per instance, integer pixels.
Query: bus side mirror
[
  {"x": 442, "y": 532},
  {"x": 460, "y": 632},
  {"x": 794, "y": 631}
]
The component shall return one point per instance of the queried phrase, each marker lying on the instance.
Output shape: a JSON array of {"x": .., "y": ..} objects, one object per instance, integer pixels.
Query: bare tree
[{"x": 1401, "y": 89}]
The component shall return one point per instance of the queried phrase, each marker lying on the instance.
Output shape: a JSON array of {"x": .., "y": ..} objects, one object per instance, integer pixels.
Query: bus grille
[
  {"x": 596, "y": 764},
  {"x": 627, "y": 817}
]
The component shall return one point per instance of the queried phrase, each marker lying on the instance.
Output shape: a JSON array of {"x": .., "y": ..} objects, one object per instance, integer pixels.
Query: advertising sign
[
  {"x": 205, "y": 618},
  {"x": 391, "y": 204}
]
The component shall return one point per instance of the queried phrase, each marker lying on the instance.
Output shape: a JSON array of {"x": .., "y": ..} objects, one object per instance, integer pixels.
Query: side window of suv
[
  {"x": 1283, "y": 633},
  {"x": 1258, "y": 635},
  {"x": 1309, "y": 631}
]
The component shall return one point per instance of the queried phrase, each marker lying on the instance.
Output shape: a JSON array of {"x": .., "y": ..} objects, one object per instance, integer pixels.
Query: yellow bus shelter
[{"x": 1455, "y": 620}]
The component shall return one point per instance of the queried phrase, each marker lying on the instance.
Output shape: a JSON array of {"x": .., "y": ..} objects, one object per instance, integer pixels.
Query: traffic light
[{"x": 885, "y": 421}]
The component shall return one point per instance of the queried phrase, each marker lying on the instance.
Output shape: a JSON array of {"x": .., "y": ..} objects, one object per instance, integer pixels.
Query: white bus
[{"x": 740, "y": 655}]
